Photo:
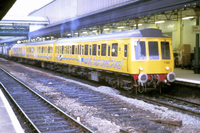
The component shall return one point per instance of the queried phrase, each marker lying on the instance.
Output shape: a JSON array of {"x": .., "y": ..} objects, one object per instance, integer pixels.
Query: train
[{"x": 135, "y": 60}]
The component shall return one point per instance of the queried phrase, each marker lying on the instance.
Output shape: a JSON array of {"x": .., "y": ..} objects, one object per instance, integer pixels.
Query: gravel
[{"x": 88, "y": 114}]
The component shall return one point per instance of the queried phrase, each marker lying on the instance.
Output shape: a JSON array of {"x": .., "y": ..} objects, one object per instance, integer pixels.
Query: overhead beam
[
  {"x": 5, "y": 6},
  {"x": 130, "y": 11}
]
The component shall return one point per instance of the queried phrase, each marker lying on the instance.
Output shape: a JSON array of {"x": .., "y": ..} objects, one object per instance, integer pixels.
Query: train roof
[
  {"x": 34, "y": 43},
  {"x": 118, "y": 35}
]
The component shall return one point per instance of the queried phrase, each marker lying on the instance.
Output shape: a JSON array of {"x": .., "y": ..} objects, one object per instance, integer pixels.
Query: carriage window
[
  {"x": 103, "y": 49},
  {"x": 125, "y": 50},
  {"x": 114, "y": 49},
  {"x": 98, "y": 50},
  {"x": 90, "y": 50},
  {"x": 51, "y": 49},
  {"x": 48, "y": 49},
  {"x": 108, "y": 50},
  {"x": 42, "y": 49},
  {"x": 165, "y": 50},
  {"x": 140, "y": 51},
  {"x": 39, "y": 49},
  {"x": 65, "y": 49},
  {"x": 73, "y": 49},
  {"x": 86, "y": 49},
  {"x": 94, "y": 49},
  {"x": 62, "y": 49},
  {"x": 82, "y": 50},
  {"x": 78, "y": 50},
  {"x": 70, "y": 49},
  {"x": 153, "y": 51}
]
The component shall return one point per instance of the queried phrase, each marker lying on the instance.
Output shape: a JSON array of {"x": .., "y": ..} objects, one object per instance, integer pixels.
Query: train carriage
[
  {"x": 141, "y": 58},
  {"x": 133, "y": 60}
]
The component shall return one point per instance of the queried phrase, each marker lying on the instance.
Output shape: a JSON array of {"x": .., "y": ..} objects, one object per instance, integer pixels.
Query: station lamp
[
  {"x": 159, "y": 22},
  {"x": 186, "y": 18}
]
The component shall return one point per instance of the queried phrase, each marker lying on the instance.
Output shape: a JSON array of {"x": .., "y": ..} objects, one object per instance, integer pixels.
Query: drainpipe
[
  {"x": 197, "y": 65},
  {"x": 137, "y": 22}
]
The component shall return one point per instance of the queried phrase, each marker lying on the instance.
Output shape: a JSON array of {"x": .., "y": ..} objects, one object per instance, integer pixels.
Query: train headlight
[
  {"x": 141, "y": 68},
  {"x": 171, "y": 77},
  {"x": 142, "y": 77},
  {"x": 167, "y": 68}
]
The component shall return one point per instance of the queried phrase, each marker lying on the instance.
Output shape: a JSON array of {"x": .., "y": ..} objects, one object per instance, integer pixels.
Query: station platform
[
  {"x": 187, "y": 77},
  {"x": 8, "y": 120}
]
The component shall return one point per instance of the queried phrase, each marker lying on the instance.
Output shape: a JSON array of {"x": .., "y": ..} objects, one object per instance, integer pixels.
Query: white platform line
[
  {"x": 11, "y": 114},
  {"x": 188, "y": 80}
]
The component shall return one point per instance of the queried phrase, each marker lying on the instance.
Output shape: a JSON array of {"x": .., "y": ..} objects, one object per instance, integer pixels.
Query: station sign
[{"x": 196, "y": 29}]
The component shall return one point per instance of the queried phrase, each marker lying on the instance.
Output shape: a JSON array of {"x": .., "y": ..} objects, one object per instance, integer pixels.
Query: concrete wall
[
  {"x": 92, "y": 6},
  {"x": 60, "y": 10}
]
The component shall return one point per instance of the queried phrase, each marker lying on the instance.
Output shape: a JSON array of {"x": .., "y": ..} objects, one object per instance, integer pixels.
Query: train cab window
[
  {"x": 103, "y": 49},
  {"x": 125, "y": 50},
  {"x": 153, "y": 51},
  {"x": 73, "y": 49},
  {"x": 114, "y": 49},
  {"x": 99, "y": 50},
  {"x": 86, "y": 49},
  {"x": 140, "y": 50},
  {"x": 165, "y": 50},
  {"x": 94, "y": 49}
]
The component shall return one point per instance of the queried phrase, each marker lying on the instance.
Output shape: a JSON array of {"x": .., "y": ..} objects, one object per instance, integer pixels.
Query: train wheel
[
  {"x": 130, "y": 91},
  {"x": 114, "y": 84}
]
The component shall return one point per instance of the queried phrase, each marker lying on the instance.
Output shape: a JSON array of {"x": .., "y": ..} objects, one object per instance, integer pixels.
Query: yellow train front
[{"x": 132, "y": 60}]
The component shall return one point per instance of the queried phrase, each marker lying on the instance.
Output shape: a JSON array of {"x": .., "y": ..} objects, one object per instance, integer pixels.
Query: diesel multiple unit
[{"x": 132, "y": 60}]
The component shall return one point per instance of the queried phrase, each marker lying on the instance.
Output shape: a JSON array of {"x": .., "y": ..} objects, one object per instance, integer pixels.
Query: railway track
[
  {"x": 41, "y": 115},
  {"x": 172, "y": 102}
]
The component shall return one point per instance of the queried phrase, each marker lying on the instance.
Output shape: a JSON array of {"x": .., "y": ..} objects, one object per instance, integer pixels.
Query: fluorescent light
[
  {"x": 107, "y": 29},
  {"x": 69, "y": 34},
  {"x": 94, "y": 31},
  {"x": 121, "y": 27},
  {"x": 76, "y": 33},
  {"x": 84, "y": 32},
  {"x": 185, "y": 18},
  {"x": 138, "y": 24},
  {"x": 159, "y": 22}
]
